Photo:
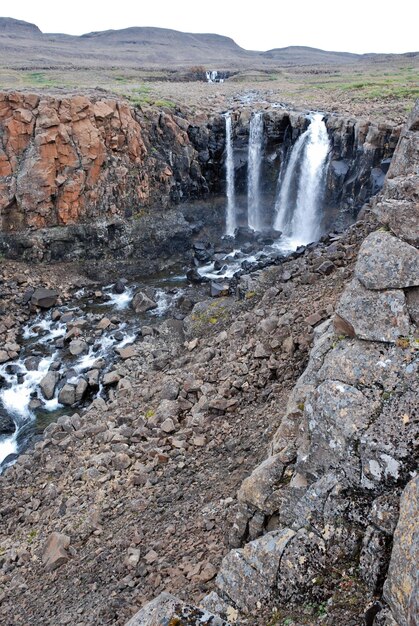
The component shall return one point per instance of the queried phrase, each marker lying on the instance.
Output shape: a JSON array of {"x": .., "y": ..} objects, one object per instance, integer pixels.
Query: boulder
[
  {"x": 67, "y": 395},
  {"x": 7, "y": 425},
  {"x": 167, "y": 609},
  {"x": 77, "y": 346},
  {"x": 111, "y": 378},
  {"x": 374, "y": 315},
  {"x": 401, "y": 589},
  {"x": 55, "y": 551},
  {"x": 119, "y": 286},
  {"x": 141, "y": 303},
  {"x": 248, "y": 575},
  {"x": 44, "y": 298},
  {"x": 48, "y": 384},
  {"x": 385, "y": 262},
  {"x": 4, "y": 357},
  {"x": 81, "y": 389}
]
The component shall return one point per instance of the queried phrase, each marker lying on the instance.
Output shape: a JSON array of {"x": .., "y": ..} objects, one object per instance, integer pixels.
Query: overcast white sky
[{"x": 353, "y": 26}]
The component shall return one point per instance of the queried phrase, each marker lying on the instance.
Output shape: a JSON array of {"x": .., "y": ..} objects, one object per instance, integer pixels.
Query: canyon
[{"x": 252, "y": 458}]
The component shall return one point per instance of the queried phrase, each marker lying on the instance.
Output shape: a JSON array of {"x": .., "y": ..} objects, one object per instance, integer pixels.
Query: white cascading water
[
  {"x": 254, "y": 217},
  {"x": 298, "y": 207},
  {"x": 231, "y": 221}
]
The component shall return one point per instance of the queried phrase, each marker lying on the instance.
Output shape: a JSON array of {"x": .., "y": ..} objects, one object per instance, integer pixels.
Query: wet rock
[
  {"x": 48, "y": 384},
  {"x": 67, "y": 395},
  {"x": 142, "y": 303},
  {"x": 81, "y": 389},
  {"x": 401, "y": 588},
  {"x": 7, "y": 425},
  {"x": 119, "y": 286},
  {"x": 55, "y": 551},
  {"x": 77, "y": 346},
  {"x": 374, "y": 315},
  {"x": 194, "y": 276},
  {"x": 93, "y": 378},
  {"x": 385, "y": 262},
  {"x": 44, "y": 298},
  {"x": 104, "y": 323}
]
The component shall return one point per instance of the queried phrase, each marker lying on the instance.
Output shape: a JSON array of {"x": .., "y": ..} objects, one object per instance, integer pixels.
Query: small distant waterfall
[
  {"x": 231, "y": 221},
  {"x": 254, "y": 218},
  {"x": 297, "y": 207}
]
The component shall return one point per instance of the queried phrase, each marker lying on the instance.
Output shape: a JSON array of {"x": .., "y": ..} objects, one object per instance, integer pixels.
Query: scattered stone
[
  {"x": 111, "y": 378},
  {"x": 314, "y": 318},
  {"x": 326, "y": 268},
  {"x": 4, "y": 357},
  {"x": 168, "y": 426},
  {"x": 219, "y": 290},
  {"x": 127, "y": 353},
  {"x": 44, "y": 298},
  {"x": 104, "y": 323},
  {"x": 55, "y": 551}
]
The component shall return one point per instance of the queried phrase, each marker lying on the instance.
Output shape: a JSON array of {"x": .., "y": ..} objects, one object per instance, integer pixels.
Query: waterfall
[
  {"x": 254, "y": 217},
  {"x": 298, "y": 206},
  {"x": 231, "y": 221}
]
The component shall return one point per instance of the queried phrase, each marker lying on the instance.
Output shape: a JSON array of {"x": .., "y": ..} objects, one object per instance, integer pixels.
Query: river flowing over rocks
[{"x": 239, "y": 452}]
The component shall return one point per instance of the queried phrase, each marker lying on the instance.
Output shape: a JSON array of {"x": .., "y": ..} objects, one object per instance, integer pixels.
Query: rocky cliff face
[
  {"x": 69, "y": 160},
  {"x": 88, "y": 177}
]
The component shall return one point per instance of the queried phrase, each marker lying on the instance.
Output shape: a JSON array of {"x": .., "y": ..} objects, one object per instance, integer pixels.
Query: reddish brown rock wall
[{"x": 66, "y": 160}]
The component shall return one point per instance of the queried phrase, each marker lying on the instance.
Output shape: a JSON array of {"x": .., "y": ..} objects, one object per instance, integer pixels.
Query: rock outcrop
[{"x": 72, "y": 159}]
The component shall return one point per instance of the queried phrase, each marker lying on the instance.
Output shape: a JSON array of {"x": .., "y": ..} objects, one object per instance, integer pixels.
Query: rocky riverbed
[{"x": 190, "y": 414}]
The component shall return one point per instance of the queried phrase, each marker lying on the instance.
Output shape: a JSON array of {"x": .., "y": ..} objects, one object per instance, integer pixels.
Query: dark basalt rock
[
  {"x": 44, "y": 298},
  {"x": 7, "y": 425}
]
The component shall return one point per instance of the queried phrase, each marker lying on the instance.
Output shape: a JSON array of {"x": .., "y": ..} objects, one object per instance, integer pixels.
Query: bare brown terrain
[{"x": 149, "y": 66}]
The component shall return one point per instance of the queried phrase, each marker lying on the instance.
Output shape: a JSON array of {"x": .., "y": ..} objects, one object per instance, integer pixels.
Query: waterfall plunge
[
  {"x": 231, "y": 220},
  {"x": 297, "y": 208},
  {"x": 254, "y": 216}
]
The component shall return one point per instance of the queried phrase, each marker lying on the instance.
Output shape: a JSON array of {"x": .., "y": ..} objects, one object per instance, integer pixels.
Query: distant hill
[
  {"x": 303, "y": 55},
  {"x": 23, "y": 45},
  {"x": 18, "y": 28}
]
